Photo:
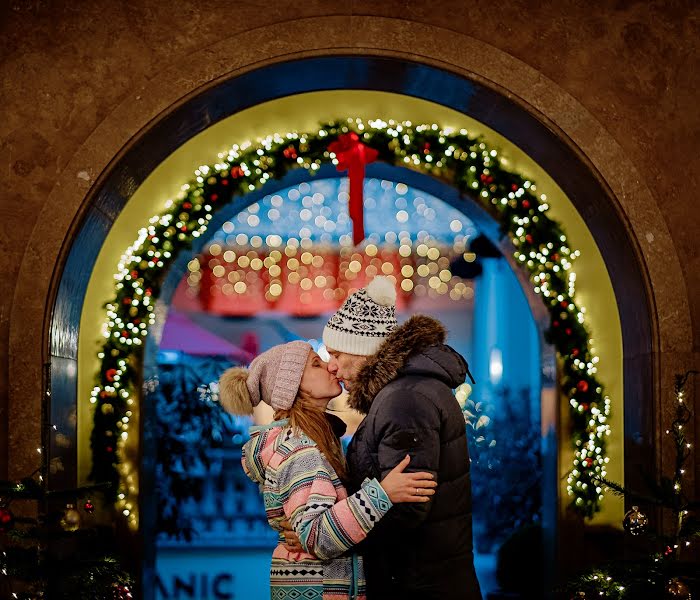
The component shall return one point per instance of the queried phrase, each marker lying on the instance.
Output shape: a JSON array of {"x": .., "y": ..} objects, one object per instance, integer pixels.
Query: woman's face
[{"x": 317, "y": 382}]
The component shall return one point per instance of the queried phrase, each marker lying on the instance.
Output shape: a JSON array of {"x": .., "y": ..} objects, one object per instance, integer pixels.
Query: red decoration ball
[
  {"x": 582, "y": 386},
  {"x": 224, "y": 182},
  {"x": 526, "y": 204},
  {"x": 575, "y": 352},
  {"x": 214, "y": 197},
  {"x": 528, "y": 237},
  {"x": 89, "y": 507},
  {"x": 110, "y": 374},
  {"x": 588, "y": 462},
  {"x": 7, "y": 519},
  {"x": 568, "y": 331}
]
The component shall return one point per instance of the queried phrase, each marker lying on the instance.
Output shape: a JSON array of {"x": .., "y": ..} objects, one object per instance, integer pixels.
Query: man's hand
[{"x": 291, "y": 539}]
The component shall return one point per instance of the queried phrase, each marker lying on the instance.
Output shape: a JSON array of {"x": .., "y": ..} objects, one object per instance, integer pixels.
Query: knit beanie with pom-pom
[
  {"x": 273, "y": 377},
  {"x": 363, "y": 322}
]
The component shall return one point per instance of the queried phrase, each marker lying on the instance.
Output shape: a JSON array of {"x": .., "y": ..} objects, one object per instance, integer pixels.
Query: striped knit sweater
[{"x": 299, "y": 485}]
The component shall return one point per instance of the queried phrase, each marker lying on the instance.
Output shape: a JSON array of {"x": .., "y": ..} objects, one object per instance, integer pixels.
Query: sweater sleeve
[
  {"x": 327, "y": 527},
  {"x": 408, "y": 424}
]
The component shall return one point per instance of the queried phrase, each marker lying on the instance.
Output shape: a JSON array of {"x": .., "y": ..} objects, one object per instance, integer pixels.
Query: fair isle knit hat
[
  {"x": 365, "y": 319},
  {"x": 273, "y": 378}
]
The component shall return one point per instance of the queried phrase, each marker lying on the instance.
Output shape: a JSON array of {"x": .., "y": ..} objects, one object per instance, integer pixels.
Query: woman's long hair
[{"x": 304, "y": 416}]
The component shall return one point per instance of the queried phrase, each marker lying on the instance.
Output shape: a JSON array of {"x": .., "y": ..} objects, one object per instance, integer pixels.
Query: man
[{"x": 401, "y": 378}]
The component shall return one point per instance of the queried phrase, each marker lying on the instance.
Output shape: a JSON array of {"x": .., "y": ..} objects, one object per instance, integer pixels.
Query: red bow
[{"x": 352, "y": 156}]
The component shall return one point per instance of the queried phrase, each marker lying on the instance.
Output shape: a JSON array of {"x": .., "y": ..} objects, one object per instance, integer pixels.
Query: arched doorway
[
  {"x": 230, "y": 537},
  {"x": 404, "y": 77}
]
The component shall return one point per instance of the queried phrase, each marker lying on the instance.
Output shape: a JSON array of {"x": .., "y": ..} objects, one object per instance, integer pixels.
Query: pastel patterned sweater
[{"x": 299, "y": 485}]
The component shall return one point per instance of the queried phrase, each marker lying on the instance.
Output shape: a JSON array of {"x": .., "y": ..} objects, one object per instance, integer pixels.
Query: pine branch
[
  {"x": 690, "y": 528},
  {"x": 618, "y": 490},
  {"x": 79, "y": 491},
  {"x": 26, "y": 488}
]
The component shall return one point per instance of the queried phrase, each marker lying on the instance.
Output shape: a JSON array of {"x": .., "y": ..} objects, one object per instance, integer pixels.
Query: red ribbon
[{"x": 352, "y": 156}]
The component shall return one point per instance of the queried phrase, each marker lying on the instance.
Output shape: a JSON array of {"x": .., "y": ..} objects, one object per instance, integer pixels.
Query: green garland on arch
[{"x": 539, "y": 245}]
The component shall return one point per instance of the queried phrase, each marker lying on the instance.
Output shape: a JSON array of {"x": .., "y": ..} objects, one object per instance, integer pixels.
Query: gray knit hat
[
  {"x": 273, "y": 378},
  {"x": 365, "y": 319}
]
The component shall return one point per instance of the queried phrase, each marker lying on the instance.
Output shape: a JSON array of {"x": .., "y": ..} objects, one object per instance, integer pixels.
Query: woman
[{"x": 298, "y": 462}]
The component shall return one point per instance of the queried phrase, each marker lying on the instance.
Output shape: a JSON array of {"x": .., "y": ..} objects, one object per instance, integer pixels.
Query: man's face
[{"x": 345, "y": 366}]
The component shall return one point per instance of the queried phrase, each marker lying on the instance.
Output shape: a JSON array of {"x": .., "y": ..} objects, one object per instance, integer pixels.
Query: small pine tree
[
  {"x": 61, "y": 553},
  {"x": 665, "y": 572}
]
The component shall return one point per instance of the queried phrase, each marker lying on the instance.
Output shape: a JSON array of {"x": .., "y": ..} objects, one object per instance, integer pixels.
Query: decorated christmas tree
[
  {"x": 657, "y": 564},
  {"x": 58, "y": 544},
  {"x": 60, "y": 552}
]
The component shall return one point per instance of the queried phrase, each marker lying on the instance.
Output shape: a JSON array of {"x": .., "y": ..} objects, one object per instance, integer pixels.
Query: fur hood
[{"x": 398, "y": 352}]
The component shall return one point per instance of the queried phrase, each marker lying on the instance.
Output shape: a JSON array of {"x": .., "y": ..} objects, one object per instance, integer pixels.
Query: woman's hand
[{"x": 408, "y": 487}]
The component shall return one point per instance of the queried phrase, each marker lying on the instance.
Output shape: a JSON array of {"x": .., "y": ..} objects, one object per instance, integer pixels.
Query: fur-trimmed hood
[{"x": 416, "y": 347}]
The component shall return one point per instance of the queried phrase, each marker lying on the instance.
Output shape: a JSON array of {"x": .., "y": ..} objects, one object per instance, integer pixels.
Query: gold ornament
[
  {"x": 635, "y": 522},
  {"x": 71, "y": 518},
  {"x": 678, "y": 589}
]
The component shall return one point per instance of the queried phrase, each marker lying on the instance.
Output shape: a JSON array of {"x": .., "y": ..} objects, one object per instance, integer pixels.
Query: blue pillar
[{"x": 506, "y": 348}]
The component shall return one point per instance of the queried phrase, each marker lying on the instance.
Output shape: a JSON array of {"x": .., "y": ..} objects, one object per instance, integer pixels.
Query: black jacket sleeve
[{"x": 408, "y": 423}]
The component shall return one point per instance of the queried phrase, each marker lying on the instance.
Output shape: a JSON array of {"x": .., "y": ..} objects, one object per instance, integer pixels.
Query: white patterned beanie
[{"x": 363, "y": 322}]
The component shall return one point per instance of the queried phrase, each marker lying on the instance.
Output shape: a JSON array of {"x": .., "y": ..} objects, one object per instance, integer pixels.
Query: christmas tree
[
  {"x": 56, "y": 546},
  {"x": 665, "y": 571},
  {"x": 61, "y": 552}
]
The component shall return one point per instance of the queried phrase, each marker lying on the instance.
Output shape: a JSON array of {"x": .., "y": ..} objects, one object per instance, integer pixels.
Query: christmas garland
[{"x": 539, "y": 246}]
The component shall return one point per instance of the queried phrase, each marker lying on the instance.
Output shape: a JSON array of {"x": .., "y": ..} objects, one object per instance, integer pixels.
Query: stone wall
[{"x": 72, "y": 71}]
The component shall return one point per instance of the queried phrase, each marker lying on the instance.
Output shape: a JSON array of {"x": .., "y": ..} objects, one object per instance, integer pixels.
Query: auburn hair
[{"x": 304, "y": 416}]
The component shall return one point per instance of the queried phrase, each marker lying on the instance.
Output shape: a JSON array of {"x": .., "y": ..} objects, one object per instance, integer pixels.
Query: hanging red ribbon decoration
[{"x": 352, "y": 156}]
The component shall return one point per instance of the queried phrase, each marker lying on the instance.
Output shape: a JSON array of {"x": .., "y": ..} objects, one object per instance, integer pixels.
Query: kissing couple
[{"x": 392, "y": 519}]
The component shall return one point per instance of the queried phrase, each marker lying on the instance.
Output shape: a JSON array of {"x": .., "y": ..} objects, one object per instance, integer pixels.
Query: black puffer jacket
[{"x": 418, "y": 551}]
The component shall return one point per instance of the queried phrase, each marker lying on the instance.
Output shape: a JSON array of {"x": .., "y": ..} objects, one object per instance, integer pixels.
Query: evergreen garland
[{"x": 539, "y": 245}]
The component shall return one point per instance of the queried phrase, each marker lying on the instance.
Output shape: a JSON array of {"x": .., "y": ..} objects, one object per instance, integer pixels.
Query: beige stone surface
[{"x": 79, "y": 80}]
